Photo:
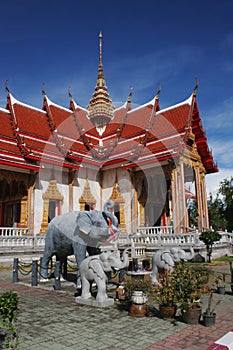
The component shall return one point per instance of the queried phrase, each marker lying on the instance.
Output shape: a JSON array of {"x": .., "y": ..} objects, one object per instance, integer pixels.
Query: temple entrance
[
  {"x": 11, "y": 214},
  {"x": 53, "y": 209}
]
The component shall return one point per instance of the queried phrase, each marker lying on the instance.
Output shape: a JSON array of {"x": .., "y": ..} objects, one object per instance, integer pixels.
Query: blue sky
[{"x": 145, "y": 43}]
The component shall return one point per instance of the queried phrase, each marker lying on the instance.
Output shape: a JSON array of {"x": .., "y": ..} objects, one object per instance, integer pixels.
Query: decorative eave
[
  {"x": 67, "y": 154},
  {"x": 24, "y": 150},
  {"x": 201, "y": 138}
]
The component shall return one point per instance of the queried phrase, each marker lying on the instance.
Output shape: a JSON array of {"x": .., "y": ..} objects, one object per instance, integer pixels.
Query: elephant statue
[
  {"x": 77, "y": 233},
  {"x": 95, "y": 268},
  {"x": 164, "y": 259}
]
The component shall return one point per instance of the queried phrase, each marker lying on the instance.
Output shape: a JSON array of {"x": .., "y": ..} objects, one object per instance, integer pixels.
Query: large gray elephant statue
[
  {"x": 94, "y": 269},
  {"x": 77, "y": 233},
  {"x": 164, "y": 259}
]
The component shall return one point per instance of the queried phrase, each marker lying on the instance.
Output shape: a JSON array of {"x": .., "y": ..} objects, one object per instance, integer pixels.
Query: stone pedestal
[{"x": 93, "y": 302}]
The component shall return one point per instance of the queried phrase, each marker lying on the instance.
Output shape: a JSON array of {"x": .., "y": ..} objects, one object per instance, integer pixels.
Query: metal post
[
  {"x": 65, "y": 268},
  {"x": 15, "y": 270},
  {"x": 34, "y": 273},
  {"x": 57, "y": 283}
]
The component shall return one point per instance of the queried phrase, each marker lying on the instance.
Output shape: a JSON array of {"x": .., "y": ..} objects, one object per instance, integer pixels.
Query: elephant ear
[
  {"x": 96, "y": 266},
  {"x": 166, "y": 256}
]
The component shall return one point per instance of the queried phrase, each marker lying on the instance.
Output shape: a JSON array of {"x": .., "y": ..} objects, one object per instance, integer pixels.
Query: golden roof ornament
[{"x": 100, "y": 106}]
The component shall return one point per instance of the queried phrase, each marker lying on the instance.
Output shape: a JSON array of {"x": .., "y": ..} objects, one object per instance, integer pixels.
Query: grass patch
[
  {"x": 3, "y": 267},
  {"x": 224, "y": 259}
]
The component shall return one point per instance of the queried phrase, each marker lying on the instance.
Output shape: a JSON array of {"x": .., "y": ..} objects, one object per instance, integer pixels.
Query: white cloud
[
  {"x": 213, "y": 180},
  {"x": 220, "y": 117}
]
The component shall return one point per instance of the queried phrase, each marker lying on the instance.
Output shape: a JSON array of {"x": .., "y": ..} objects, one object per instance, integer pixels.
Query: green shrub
[{"x": 9, "y": 311}]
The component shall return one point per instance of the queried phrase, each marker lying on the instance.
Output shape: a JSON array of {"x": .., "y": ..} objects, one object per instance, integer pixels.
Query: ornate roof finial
[
  {"x": 100, "y": 79},
  {"x": 100, "y": 43},
  {"x": 130, "y": 94},
  {"x": 158, "y": 92},
  {"x": 69, "y": 94},
  {"x": 100, "y": 106},
  {"x": 196, "y": 87},
  {"x": 6, "y": 86},
  {"x": 43, "y": 90}
]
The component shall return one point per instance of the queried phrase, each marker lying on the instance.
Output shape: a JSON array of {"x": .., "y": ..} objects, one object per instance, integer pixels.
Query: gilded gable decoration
[
  {"x": 52, "y": 193},
  {"x": 87, "y": 197}
]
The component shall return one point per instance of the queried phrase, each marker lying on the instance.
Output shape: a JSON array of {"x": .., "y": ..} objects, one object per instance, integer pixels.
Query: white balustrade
[
  {"x": 144, "y": 238},
  {"x": 13, "y": 231}
]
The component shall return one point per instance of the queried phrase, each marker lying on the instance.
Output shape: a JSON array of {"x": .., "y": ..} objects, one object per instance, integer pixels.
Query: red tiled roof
[{"x": 141, "y": 134}]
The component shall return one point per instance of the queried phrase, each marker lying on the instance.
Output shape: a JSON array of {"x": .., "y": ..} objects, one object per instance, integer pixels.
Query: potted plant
[
  {"x": 137, "y": 293},
  {"x": 209, "y": 314},
  {"x": 190, "y": 282},
  {"x": 220, "y": 284},
  {"x": 167, "y": 295}
]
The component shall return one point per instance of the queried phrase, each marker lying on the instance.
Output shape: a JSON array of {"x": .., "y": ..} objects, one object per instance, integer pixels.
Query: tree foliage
[
  {"x": 226, "y": 190},
  {"x": 209, "y": 237},
  {"x": 221, "y": 207}
]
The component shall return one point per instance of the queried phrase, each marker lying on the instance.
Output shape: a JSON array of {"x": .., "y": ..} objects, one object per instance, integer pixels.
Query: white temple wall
[
  {"x": 125, "y": 188},
  {"x": 109, "y": 179},
  {"x": 38, "y": 210},
  {"x": 64, "y": 191}
]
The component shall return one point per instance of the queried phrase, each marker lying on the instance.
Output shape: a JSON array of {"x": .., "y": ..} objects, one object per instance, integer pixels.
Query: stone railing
[
  {"x": 13, "y": 231},
  {"x": 146, "y": 239},
  {"x": 21, "y": 243},
  {"x": 164, "y": 239},
  {"x": 155, "y": 230}
]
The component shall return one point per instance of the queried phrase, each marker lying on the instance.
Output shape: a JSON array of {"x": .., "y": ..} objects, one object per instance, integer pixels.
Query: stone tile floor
[{"x": 52, "y": 320}]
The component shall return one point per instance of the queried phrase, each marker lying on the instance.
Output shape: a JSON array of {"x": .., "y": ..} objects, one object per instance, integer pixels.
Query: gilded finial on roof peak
[
  {"x": 6, "y": 86},
  {"x": 158, "y": 92},
  {"x": 196, "y": 87},
  {"x": 43, "y": 90},
  {"x": 100, "y": 106},
  {"x": 130, "y": 94},
  {"x": 69, "y": 93}
]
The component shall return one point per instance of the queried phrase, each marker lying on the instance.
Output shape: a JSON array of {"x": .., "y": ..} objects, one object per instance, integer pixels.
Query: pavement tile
[{"x": 52, "y": 320}]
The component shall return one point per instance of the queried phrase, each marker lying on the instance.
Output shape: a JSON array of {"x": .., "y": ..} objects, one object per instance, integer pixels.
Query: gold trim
[
  {"x": 86, "y": 197},
  {"x": 118, "y": 199},
  {"x": 52, "y": 192}
]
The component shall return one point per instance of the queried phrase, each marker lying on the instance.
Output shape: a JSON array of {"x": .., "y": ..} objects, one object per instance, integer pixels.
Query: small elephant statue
[
  {"x": 94, "y": 269},
  {"x": 77, "y": 233},
  {"x": 164, "y": 259}
]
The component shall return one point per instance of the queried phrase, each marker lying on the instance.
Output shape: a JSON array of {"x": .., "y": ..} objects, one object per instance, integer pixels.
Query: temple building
[{"x": 149, "y": 160}]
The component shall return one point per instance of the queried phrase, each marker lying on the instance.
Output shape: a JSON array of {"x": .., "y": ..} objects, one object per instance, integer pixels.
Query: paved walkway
[{"x": 52, "y": 320}]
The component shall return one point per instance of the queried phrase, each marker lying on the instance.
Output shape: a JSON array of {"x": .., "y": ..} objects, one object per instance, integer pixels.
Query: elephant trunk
[
  {"x": 112, "y": 217},
  {"x": 125, "y": 262},
  {"x": 188, "y": 255}
]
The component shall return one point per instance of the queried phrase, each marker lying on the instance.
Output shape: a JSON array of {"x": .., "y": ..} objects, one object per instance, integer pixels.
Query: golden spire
[
  {"x": 100, "y": 78},
  {"x": 100, "y": 106},
  {"x": 196, "y": 87}
]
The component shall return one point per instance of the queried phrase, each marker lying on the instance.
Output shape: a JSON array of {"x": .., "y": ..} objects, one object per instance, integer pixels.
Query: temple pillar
[
  {"x": 204, "y": 201},
  {"x": 23, "y": 212},
  {"x": 175, "y": 201},
  {"x": 71, "y": 177},
  {"x": 30, "y": 210},
  {"x": 199, "y": 197},
  {"x": 44, "y": 224},
  {"x": 142, "y": 214},
  {"x": 183, "y": 209}
]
